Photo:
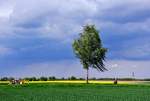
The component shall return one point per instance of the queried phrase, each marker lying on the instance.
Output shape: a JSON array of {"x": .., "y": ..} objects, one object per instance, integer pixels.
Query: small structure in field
[
  {"x": 115, "y": 81},
  {"x": 17, "y": 82}
]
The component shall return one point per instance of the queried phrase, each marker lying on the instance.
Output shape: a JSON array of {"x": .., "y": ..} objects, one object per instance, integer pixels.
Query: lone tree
[{"x": 88, "y": 48}]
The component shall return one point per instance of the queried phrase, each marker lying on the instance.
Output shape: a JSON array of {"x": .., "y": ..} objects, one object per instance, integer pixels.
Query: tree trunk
[{"x": 87, "y": 76}]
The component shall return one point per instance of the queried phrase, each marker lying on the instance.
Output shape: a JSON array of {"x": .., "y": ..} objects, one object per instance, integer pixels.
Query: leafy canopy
[{"x": 88, "y": 48}]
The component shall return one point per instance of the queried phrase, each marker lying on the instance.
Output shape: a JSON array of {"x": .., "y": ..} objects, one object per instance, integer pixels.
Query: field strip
[
  {"x": 1, "y": 82},
  {"x": 83, "y": 81}
]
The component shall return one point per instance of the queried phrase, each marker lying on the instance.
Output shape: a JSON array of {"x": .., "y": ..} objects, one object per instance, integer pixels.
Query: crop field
[
  {"x": 74, "y": 92},
  {"x": 76, "y": 82},
  {"x": 83, "y": 81}
]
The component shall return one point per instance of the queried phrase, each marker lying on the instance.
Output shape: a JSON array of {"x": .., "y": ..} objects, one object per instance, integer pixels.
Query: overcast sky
[{"x": 36, "y": 36}]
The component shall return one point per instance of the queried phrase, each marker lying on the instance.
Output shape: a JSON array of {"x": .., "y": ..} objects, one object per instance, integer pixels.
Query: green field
[{"x": 74, "y": 92}]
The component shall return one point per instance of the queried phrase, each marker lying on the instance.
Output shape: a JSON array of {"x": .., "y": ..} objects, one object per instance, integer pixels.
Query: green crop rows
[{"x": 74, "y": 92}]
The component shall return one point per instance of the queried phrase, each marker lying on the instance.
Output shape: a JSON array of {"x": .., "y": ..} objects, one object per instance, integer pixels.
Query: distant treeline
[
  {"x": 51, "y": 78},
  {"x": 40, "y": 78}
]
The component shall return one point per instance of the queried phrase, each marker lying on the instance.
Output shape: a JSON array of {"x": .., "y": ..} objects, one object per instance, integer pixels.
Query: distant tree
[
  {"x": 88, "y": 48},
  {"x": 4, "y": 79},
  {"x": 81, "y": 78},
  {"x": 72, "y": 78},
  {"x": 26, "y": 78},
  {"x": 11, "y": 78},
  {"x": 43, "y": 78},
  {"x": 34, "y": 78},
  {"x": 52, "y": 78},
  {"x": 94, "y": 78},
  {"x": 30, "y": 78}
]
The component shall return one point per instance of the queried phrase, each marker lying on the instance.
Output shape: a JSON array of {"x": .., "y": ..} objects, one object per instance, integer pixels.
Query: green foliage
[
  {"x": 88, "y": 48},
  {"x": 43, "y": 78},
  {"x": 52, "y": 78},
  {"x": 31, "y": 78},
  {"x": 72, "y": 78},
  {"x": 6, "y": 79}
]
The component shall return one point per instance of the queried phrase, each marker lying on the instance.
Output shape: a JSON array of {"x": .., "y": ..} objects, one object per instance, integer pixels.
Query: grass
[{"x": 74, "y": 92}]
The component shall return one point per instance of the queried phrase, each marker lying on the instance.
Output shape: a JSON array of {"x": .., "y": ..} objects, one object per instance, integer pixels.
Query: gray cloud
[
  {"x": 52, "y": 17},
  {"x": 124, "y": 26}
]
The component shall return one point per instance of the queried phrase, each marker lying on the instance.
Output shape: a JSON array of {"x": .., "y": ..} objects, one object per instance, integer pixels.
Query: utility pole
[{"x": 133, "y": 75}]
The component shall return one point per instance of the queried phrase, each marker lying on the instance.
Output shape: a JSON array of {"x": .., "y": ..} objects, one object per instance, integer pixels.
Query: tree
[
  {"x": 88, "y": 48},
  {"x": 52, "y": 78},
  {"x": 31, "y": 78},
  {"x": 4, "y": 79},
  {"x": 72, "y": 78},
  {"x": 43, "y": 78}
]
